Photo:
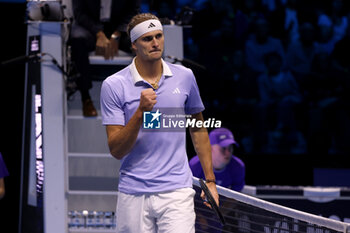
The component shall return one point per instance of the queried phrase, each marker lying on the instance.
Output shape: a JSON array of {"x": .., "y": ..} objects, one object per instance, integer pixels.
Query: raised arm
[{"x": 121, "y": 139}]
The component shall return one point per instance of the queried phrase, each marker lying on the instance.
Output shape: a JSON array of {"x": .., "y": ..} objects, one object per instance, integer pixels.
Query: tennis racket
[{"x": 210, "y": 199}]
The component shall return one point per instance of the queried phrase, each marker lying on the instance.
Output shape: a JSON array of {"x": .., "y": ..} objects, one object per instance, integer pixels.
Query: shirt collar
[{"x": 137, "y": 77}]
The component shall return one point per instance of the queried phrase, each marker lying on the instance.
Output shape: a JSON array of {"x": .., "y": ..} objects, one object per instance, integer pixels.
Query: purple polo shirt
[
  {"x": 3, "y": 170},
  {"x": 158, "y": 161},
  {"x": 232, "y": 176}
]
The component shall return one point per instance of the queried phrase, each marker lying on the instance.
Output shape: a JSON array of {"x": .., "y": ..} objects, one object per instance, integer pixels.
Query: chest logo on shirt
[{"x": 176, "y": 91}]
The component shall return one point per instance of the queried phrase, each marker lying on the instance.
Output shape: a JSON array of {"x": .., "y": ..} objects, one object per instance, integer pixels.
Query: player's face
[{"x": 149, "y": 46}]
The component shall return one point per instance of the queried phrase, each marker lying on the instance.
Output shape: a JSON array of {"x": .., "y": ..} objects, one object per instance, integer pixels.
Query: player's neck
[{"x": 149, "y": 70}]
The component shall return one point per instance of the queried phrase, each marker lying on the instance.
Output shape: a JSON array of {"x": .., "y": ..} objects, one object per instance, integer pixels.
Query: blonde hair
[{"x": 139, "y": 18}]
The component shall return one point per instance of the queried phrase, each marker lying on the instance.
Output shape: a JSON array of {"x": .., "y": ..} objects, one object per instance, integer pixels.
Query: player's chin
[{"x": 155, "y": 56}]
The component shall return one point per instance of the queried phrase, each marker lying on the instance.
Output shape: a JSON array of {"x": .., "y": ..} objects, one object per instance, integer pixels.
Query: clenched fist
[{"x": 147, "y": 100}]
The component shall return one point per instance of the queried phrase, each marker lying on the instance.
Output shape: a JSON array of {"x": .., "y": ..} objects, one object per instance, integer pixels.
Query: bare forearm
[
  {"x": 201, "y": 143},
  {"x": 2, "y": 188},
  {"x": 121, "y": 141}
]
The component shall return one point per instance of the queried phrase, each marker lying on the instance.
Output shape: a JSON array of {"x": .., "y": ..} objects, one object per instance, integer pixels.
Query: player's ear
[{"x": 133, "y": 46}]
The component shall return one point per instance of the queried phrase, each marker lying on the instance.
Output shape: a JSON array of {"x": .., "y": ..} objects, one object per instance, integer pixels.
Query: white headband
[{"x": 144, "y": 27}]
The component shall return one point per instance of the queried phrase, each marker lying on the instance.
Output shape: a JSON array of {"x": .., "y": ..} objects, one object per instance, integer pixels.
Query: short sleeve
[
  {"x": 111, "y": 105},
  {"x": 194, "y": 102}
]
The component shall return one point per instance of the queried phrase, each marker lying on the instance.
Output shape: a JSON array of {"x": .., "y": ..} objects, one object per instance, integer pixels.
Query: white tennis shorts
[{"x": 169, "y": 212}]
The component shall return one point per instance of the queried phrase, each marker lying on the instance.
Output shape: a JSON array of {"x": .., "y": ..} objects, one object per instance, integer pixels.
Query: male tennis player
[{"x": 155, "y": 183}]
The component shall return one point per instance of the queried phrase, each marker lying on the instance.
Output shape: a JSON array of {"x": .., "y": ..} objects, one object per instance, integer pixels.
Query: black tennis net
[{"x": 247, "y": 214}]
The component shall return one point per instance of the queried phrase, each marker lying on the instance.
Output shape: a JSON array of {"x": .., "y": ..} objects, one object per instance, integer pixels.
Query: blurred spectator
[
  {"x": 332, "y": 26},
  {"x": 213, "y": 23},
  {"x": 182, "y": 3},
  {"x": 196, "y": 4},
  {"x": 329, "y": 118},
  {"x": 339, "y": 19},
  {"x": 291, "y": 22},
  {"x": 100, "y": 26},
  {"x": 261, "y": 44},
  {"x": 269, "y": 5},
  {"x": 279, "y": 97},
  {"x": 341, "y": 63},
  {"x": 245, "y": 89},
  {"x": 284, "y": 22},
  {"x": 3, "y": 174},
  {"x": 324, "y": 83},
  {"x": 165, "y": 10},
  {"x": 246, "y": 14},
  {"x": 325, "y": 38},
  {"x": 212, "y": 28},
  {"x": 244, "y": 97},
  {"x": 300, "y": 54},
  {"x": 341, "y": 52},
  {"x": 229, "y": 170}
]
